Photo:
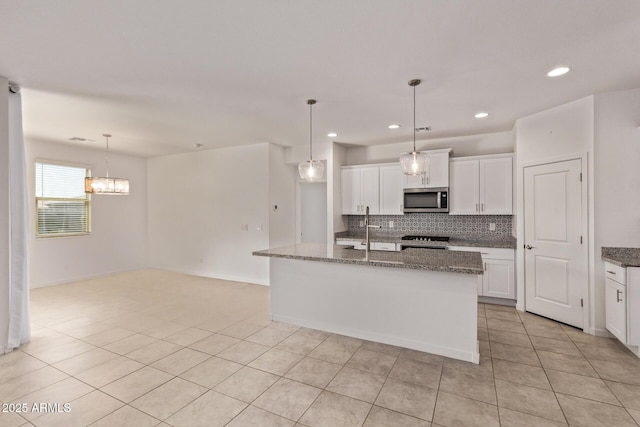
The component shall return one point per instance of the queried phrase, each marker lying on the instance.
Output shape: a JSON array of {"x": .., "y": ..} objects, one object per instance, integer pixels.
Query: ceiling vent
[
  {"x": 423, "y": 129},
  {"x": 77, "y": 138}
]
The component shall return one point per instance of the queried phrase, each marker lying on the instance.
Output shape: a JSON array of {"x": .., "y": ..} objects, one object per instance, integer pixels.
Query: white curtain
[{"x": 19, "y": 324}]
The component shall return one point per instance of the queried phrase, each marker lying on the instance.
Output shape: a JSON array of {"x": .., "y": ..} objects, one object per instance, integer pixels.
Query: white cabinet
[
  {"x": 390, "y": 190},
  {"x": 464, "y": 189},
  {"x": 498, "y": 279},
  {"x": 481, "y": 185},
  {"x": 360, "y": 188},
  {"x": 616, "y": 309},
  {"x": 622, "y": 304},
  {"x": 438, "y": 174}
]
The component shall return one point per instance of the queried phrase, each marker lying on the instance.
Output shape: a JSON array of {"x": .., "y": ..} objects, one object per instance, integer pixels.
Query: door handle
[
  {"x": 611, "y": 272},
  {"x": 618, "y": 293},
  {"x": 529, "y": 247}
]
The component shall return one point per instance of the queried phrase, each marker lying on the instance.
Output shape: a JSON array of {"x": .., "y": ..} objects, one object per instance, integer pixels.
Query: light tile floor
[{"x": 156, "y": 348}]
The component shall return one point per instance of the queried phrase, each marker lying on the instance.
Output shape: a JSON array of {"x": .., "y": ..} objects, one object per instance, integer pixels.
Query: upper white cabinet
[
  {"x": 360, "y": 188},
  {"x": 481, "y": 185},
  {"x": 391, "y": 190},
  {"x": 376, "y": 186},
  {"x": 438, "y": 174}
]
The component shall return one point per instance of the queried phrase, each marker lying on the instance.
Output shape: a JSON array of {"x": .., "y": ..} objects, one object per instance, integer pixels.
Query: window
[{"x": 63, "y": 208}]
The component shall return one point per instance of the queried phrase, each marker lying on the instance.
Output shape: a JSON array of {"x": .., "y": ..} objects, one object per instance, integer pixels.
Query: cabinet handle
[
  {"x": 485, "y": 266},
  {"x": 611, "y": 272},
  {"x": 618, "y": 293},
  {"x": 477, "y": 207},
  {"x": 482, "y": 207}
]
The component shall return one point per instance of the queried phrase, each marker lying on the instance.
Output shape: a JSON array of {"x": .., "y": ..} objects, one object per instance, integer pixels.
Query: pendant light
[
  {"x": 311, "y": 170},
  {"x": 105, "y": 184},
  {"x": 414, "y": 163}
]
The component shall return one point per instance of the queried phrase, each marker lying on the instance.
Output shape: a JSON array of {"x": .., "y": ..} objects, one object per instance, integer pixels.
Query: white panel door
[
  {"x": 496, "y": 186},
  {"x": 616, "y": 309},
  {"x": 438, "y": 175},
  {"x": 464, "y": 196},
  {"x": 555, "y": 259},
  {"x": 391, "y": 190},
  {"x": 351, "y": 191},
  {"x": 371, "y": 189}
]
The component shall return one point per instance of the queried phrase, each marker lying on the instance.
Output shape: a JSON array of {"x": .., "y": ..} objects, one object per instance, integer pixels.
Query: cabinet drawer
[
  {"x": 357, "y": 244},
  {"x": 383, "y": 246},
  {"x": 487, "y": 253},
  {"x": 614, "y": 272}
]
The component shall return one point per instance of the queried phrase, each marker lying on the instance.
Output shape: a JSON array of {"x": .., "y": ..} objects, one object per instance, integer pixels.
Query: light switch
[{"x": 390, "y": 224}]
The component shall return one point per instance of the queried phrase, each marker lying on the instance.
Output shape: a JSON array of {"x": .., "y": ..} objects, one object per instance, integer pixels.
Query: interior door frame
[{"x": 587, "y": 230}]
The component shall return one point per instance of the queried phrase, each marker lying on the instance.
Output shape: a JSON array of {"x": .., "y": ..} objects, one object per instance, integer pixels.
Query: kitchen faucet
[{"x": 367, "y": 227}]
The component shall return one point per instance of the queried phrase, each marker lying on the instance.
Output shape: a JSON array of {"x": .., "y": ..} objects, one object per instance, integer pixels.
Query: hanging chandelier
[
  {"x": 414, "y": 163},
  {"x": 311, "y": 170},
  {"x": 106, "y": 184}
]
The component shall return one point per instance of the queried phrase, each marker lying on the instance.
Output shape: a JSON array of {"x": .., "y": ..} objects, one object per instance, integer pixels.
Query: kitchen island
[{"x": 422, "y": 299}]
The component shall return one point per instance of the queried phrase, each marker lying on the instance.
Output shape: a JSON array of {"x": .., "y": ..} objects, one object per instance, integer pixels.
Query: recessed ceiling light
[
  {"x": 394, "y": 126},
  {"x": 332, "y": 134},
  {"x": 481, "y": 115},
  {"x": 559, "y": 71},
  {"x": 198, "y": 145}
]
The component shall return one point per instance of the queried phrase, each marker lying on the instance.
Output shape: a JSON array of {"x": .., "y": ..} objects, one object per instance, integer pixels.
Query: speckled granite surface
[
  {"x": 472, "y": 240},
  {"x": 418, "y": 259},
  {"x": 623, "y": 257}
]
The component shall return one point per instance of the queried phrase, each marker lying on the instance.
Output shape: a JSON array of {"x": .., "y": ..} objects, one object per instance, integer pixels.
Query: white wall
[
  {"x": 4, "y": 213},
  {"x": 118, "y": 239},
  {"x": 558, "y": 133},
  {"x": 617, "y": 200},
  {"x": 473, "y": 145},
  {"x": 198, "y": 206},
  {"x": 336, "y": 222},
  {"x": 282, "y": 190}
]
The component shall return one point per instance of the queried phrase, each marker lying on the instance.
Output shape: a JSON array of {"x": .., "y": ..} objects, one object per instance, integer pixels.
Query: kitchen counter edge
[
  {"x": 622, "y": 257},
  {"x": 416, "y": 259}
]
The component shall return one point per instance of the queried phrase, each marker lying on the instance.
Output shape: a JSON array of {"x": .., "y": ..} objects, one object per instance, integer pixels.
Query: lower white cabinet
[
  {"x": 616, "y": 309},
  {"x": 622, "y": 304},
  {"x": 498, "y": 279}
]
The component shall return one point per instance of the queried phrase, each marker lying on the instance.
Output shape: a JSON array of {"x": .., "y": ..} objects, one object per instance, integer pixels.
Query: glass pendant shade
[
  {"x": 311, "y": 170},
  {"x": 106, "y": 185},
  {"x": 414, "y": 163}
]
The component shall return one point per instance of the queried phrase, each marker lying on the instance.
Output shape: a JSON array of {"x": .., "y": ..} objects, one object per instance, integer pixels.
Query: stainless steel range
[{"x": 423, "y": 242}]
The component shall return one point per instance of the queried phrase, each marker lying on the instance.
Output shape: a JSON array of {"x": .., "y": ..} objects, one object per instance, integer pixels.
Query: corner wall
[
  {"x": 209, "y": 210},
  {"x": 118, "y": 239},
  {"x": 562, "y": 132},
  {"x": 4, "y": 213},
  {"x": 617, "y": 204}
]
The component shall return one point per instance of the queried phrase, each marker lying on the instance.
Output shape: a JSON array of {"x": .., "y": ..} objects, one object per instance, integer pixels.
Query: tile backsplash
[{"x": 436, "y": 223}]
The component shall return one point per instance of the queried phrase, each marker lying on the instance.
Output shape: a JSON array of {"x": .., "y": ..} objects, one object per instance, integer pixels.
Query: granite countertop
[
  {"x": 417, "y": 259},
  {"x": 471, "y": 240},
  {"x": 622, "y": 257}
]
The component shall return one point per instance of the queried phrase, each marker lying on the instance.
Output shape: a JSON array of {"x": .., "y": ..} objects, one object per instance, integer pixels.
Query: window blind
[{"x": 63, "y": 208}]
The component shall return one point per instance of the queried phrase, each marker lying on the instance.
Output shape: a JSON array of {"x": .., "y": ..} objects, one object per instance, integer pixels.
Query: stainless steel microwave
[{"x": 420, "y": 200}]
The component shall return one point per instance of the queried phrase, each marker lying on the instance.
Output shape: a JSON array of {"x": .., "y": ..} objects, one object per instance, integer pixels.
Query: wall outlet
[
  {"x": 390, "y": 224},
  {"x": 361, "y": 223},
  {"x": 492, "y": 226}
]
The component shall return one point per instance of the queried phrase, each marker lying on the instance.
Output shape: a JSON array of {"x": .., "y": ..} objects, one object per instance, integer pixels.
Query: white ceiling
[{"x": 163, "y": 75}]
